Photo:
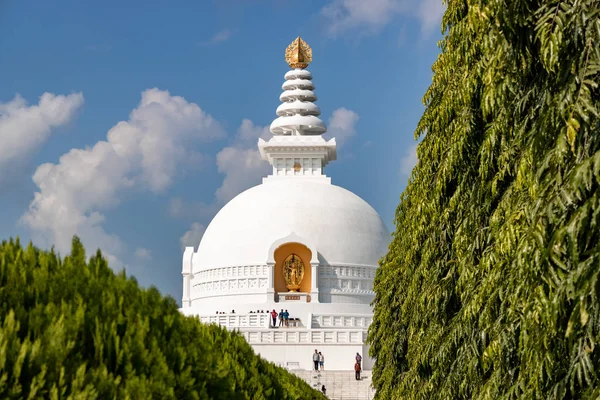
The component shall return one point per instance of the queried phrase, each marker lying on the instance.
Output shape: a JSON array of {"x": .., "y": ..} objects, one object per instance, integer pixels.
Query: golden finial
[{"x": 298, "y": 54}]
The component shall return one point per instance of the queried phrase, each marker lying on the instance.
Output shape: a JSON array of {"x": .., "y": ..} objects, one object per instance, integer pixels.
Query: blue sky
[{"x": 131, "y": 123}]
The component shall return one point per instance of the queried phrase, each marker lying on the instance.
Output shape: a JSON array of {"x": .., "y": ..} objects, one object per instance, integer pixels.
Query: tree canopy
[
  {"x": 490, "y": 287},
  {"x": 73, "y": 329}
]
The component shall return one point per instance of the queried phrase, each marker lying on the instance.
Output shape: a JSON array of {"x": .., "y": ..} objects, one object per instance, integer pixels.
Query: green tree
[
  {"x": 73, "y": 329},
  {"x": 490, "y": 287}
]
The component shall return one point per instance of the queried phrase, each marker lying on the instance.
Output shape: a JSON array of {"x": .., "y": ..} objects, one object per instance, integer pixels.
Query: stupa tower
[
  {"x": 297, "y": 148},
  {"x": 295, "y": 243},
  {"x": 298, "y": 115}
]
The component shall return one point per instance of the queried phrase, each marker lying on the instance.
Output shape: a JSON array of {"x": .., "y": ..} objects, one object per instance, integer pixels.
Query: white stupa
[{"x": 295, "y": 242}]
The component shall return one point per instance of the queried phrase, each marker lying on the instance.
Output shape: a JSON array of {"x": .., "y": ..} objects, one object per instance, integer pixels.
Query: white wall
[
  {"x": 337, "y": 357},
  {"x": 338, "y": 335}
]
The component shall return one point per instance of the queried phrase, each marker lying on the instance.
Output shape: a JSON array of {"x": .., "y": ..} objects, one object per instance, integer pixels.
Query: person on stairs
[
  {"x": 357, "y": 371},
  {"x": 316, "y": 359},
  {"x": 323, "y": 390}
]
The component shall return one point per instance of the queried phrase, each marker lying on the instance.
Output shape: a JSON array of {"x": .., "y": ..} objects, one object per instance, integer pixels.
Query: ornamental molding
[
  {"x": 297, "y": 148},
  {"x": 232, "y": 271},
  {"x": 229, "y": 286}
]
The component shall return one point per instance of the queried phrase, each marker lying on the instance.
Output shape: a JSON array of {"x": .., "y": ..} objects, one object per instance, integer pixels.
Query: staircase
[{"x": 340, "y": 385}]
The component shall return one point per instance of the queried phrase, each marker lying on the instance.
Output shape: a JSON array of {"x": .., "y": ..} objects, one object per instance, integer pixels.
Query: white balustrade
[
  {"x": 340, "y": 321},
  {"x": 284, "y": 336},
  {"x": 234, "y": 321},
  {"x": 319, "y": 322}
]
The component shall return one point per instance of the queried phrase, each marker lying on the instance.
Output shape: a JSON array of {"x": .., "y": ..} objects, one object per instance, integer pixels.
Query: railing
[
  {"x": 232, "y": 321},
  {"x": 333, "y": 321},
  {"x": 320, "y": 322},
  {"x": 284, "y": 336}
]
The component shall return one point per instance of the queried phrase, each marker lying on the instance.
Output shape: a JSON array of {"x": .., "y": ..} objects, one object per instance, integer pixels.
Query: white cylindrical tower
[{"x": 298, "y": 115}]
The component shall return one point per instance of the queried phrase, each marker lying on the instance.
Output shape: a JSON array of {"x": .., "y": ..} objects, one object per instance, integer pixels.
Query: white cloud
[
  {"x": 430, "y": 14},
  {"x": 146, "y": 152},
  {"x": 350, "y": 14},
  {"x": 193, "y": 236},
  {"x": 248, "y": 133},
  {"x": 179, "y": 208},
  {"x": 408, "y": 160},
  {"x": 143, "y": 253},
  {"x": 24, "y": 128},
  {"x": 242, "y": 166},
  {"x": 371, "y": 16},
  {"x": 241, "y": 163},
  {"x": 342, "y": 125},
  {"x": 219, "y": 37}
]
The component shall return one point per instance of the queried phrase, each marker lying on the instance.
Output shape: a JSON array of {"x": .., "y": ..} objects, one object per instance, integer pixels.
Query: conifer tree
[
  {"x": 490, "y": 287},
  {"x": 73, "y": 329}
]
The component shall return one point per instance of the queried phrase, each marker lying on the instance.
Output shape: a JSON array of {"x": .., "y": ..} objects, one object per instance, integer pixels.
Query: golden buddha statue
[{"x": 293, "y": 272}]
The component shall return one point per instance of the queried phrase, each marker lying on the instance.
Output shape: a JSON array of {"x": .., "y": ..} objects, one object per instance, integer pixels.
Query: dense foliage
[
  {"x": 71, "y": 329},
  {"x": 490, "y": 288}
]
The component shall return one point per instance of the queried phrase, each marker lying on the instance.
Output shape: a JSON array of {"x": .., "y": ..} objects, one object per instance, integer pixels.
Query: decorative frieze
[
  {"x": 354, "y": 271},
  {"x": 355, "y": 279},
  {"x": 231, "y": 272},
  {"x": 333, "y": 321},
  {"x": 230, "y": 279}
]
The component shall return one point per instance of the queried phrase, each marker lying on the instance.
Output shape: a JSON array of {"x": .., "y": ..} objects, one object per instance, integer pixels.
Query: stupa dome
[
  {"x": 290, "y": 263},
  {"x": 342, "y": 227},
  {"x": 295, "y": 246}
]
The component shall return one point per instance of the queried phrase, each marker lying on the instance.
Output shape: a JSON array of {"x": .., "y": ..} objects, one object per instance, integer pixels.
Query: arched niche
[
  {"x": 281, "y": 249},
  {"x": 292, "y": 238},
  {"x": 280, "y": 255}
]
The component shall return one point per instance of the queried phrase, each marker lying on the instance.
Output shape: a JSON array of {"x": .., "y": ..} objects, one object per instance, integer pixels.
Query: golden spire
[{"x": 298, "y": 54}]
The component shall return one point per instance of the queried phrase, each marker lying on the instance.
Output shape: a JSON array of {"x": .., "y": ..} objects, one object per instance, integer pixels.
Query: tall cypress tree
[
  {"x": 73, "y": 329},
  {"x": 490, "y": 287}
]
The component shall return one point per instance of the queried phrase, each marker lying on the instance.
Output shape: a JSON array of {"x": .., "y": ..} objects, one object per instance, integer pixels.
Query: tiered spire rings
[{"x": 298, "y": 115}]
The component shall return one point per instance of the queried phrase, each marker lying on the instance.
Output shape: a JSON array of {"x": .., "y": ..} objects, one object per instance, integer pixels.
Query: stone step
[{"x": 340, "y": 385}]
